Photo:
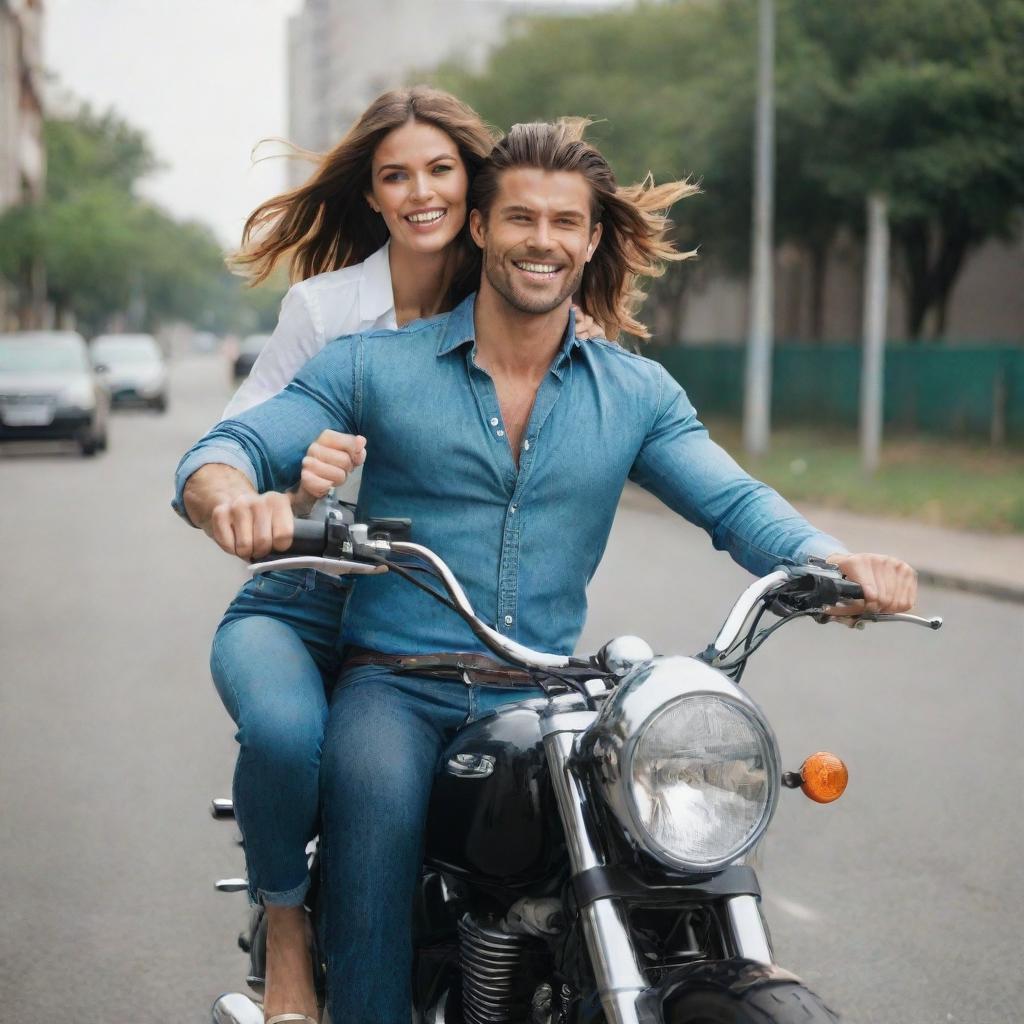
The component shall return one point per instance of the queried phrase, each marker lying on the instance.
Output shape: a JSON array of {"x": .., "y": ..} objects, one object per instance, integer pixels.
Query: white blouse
[{"x": 314, "y": 312}]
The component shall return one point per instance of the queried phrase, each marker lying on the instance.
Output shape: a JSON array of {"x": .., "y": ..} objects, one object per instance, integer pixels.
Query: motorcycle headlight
[{"x": 688, "y": 764}]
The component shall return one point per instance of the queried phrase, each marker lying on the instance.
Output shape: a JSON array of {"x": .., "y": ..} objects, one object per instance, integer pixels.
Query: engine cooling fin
[{"x": 500, "y": 973}]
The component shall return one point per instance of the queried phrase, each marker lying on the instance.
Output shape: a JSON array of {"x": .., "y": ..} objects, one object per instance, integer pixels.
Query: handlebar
[{"x": 340, "y": 546}]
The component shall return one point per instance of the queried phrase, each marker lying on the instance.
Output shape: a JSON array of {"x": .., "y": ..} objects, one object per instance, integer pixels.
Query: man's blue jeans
[
  {"x": 385, "y": 737},
  {"x": 275, "y": 656}
]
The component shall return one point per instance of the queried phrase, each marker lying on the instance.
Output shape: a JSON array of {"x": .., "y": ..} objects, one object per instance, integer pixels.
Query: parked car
[
  {"x": 133, "y": 367},
  {"x": 248, "y": 350},
  {"x": 49, "y": 391},
  {"x": 205, "y": 342}
]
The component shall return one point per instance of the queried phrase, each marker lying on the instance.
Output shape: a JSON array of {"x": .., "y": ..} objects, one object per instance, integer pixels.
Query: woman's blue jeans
[
  {"x": 385, "y": 737},
  {"x": 275, "y": 656}
]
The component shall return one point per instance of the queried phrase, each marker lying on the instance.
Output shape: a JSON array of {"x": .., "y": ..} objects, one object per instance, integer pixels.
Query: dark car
[
  {"x": 48, "y": 390},
  {"x": 250, "y": 348},
  {"x": 133, "y": 368}
]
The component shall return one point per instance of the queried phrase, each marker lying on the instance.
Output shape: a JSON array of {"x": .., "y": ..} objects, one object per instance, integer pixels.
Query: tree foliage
[
  {"x": 106, "y": 251},
  {"x": 920, "y": 99}
]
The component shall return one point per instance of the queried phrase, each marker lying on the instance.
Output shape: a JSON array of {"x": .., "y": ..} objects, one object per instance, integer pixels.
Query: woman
[{"x": 378, "y": 237}]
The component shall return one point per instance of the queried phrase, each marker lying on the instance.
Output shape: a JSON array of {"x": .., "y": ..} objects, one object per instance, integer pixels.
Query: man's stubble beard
[{"x": 500, "y": 281}]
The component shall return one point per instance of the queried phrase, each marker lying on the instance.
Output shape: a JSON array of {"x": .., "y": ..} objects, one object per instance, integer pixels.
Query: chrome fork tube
[
  {"x": 619, "y": 978},
  {"x": 748, "y": 932}
]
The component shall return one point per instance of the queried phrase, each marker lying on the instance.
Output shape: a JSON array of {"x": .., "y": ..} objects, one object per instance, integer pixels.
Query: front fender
[{"x": 730, "y": 977}]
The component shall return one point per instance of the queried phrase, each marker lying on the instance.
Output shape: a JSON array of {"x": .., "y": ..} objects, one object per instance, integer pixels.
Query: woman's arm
[{"x": 298, "y": 336}]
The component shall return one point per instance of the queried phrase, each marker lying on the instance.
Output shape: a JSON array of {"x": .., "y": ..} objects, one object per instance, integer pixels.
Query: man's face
[{"x": 537, "y": 238}]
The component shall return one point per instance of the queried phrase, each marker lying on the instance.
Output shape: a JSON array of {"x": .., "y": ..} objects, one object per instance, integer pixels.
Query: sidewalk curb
[
  {"x": 984, "y": 588},
  {"x": 981, "y": 585}
]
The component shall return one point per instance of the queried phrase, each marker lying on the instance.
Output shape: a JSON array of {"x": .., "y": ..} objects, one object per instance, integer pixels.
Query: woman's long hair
[
  {"x": 326, "y": 223},
  {"x": 633, "y": 217}
]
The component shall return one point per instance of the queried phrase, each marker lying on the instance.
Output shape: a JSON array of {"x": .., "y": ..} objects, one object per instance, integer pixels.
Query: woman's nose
[{"x": 422, "y": 187}]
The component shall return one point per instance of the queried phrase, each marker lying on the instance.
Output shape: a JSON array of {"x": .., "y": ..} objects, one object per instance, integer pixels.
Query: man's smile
[{"x": 543, "y": 271}]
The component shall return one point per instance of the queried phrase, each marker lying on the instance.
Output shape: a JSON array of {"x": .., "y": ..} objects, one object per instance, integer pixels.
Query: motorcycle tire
[{"x": 786, "y": 1003}]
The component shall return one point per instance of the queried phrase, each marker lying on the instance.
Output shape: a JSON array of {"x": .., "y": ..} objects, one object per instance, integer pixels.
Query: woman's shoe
[{"x": 280, "y": 1018}]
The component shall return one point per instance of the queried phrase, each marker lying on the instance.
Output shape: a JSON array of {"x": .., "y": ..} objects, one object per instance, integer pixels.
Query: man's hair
[{"x": 633, "y": 217}]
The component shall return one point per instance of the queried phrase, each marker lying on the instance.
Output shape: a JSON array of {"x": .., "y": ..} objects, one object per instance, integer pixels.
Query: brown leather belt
[{"x": 464, "y": 666}]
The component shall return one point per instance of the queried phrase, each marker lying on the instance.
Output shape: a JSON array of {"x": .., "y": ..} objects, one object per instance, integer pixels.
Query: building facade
[
  {"x": 344, "y": 53},
  {"x": 22, "y": 151}
]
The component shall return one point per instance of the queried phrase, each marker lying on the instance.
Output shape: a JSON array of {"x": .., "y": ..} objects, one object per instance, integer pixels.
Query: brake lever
[{"x": 859, "y": 621}]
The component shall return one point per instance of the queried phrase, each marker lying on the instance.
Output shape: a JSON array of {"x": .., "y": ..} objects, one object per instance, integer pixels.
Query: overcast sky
[{"x": 205, "y": 80}]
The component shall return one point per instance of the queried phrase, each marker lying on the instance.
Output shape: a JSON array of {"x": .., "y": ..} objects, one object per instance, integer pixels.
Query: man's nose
[{"x": 541, "y": 235}]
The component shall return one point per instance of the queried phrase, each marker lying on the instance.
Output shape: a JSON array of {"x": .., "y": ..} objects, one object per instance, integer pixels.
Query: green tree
[
  {"x": 922, "y": 99},
  {"x": 106, "y": 250},
  {"x": 926, "y": 100}
]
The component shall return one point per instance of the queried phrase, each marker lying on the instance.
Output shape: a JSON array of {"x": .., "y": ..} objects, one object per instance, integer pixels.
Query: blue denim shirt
[{"x": 523, "y": 542}]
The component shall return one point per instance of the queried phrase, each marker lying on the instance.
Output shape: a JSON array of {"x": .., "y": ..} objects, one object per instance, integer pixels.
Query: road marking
[{"x": 791, "y": 907}]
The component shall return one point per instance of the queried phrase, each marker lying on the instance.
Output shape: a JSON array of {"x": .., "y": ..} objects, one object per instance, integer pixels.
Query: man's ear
[
  {"x": 595, "y": 239},
  {"x": 477, "y": 227}
]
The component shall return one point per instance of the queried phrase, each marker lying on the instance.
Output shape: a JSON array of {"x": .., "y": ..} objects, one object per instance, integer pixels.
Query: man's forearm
[{"x": 212, "y": 485}]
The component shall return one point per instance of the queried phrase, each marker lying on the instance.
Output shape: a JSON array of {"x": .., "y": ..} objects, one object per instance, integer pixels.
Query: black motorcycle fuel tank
[{"x": 492, "y": 813}]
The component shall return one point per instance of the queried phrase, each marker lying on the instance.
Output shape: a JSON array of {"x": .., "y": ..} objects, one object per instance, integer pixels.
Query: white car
[{"x": 133, "y": 367}]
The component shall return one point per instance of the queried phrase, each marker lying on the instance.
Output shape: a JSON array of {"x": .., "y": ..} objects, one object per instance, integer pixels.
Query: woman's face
[{"x": 419, "y": 187}]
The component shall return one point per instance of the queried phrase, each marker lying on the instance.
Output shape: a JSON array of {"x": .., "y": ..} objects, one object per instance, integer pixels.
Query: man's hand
[
  {"x": 221, "y": 501},
  {"x": 889, "y": 585},
  {"x": 252, "y": 525},
  {"x": 327, "y": 463}
]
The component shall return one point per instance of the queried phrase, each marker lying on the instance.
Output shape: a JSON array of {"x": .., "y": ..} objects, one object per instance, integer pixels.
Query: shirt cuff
[
  {"x": 821, "y": 545},
  {"x": 204, "y": 456}
]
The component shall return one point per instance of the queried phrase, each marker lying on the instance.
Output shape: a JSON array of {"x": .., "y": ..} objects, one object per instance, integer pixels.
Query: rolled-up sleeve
[
  {"x": 684, "y": 468},
  {"x": 267, "y": 443}
]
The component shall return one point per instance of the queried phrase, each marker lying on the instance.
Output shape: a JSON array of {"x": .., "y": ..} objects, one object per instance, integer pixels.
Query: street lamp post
[
  {"x": 872, "y": 376},
  {"x": 757, "y": 398}
]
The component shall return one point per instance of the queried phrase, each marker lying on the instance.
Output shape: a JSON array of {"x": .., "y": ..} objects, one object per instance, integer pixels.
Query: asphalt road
[{"x": 901, "y": 903}]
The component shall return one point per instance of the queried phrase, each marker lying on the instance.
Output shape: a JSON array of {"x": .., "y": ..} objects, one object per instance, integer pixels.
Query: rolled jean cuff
[{"x": 289, "y": 898}]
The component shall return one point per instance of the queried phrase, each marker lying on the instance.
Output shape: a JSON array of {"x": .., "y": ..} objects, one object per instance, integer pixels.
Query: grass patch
[{"x": 943, "y": 483}]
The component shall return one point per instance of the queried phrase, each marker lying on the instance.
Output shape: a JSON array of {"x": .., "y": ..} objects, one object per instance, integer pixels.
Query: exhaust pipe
[{"x": 235, "y": 1008}]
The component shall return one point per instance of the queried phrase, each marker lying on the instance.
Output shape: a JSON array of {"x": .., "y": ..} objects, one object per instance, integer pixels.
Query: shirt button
[
  {"x": 501, "y": 433},
  {"x": 508, "y": 620},
  {"x": 494, "y": 421},
  {"x": 512, "y": 509},
  {"x": 526, "y": 445}
]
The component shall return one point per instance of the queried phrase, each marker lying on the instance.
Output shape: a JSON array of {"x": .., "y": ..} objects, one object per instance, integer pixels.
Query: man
[{"x": 508, "y": 443}]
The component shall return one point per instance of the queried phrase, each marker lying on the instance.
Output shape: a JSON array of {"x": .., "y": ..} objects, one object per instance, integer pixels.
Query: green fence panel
[{"x": 947, "y": 392}]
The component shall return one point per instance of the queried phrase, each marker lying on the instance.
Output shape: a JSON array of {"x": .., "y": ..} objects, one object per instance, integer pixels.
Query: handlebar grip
[
  {"x": 309, "y": 538},
  {"x": 847, "y": 590}
]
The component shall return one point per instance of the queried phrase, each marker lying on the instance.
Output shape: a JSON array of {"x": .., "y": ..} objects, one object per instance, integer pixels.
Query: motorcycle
[{"x": 587, "y": 853}]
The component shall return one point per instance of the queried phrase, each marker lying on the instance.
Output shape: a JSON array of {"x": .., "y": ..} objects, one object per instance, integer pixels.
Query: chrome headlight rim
[{"x": 639, "y": 831}]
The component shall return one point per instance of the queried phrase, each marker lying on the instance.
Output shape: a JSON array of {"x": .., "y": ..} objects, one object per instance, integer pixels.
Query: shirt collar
[
  {"x": 376, "y": 296},
  {"x": 460, "y": 330}
]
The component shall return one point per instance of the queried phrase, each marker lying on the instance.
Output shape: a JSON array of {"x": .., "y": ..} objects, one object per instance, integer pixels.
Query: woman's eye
[
  {"x": 394, "y": 176},
  {"x": 442, "y": 169}
]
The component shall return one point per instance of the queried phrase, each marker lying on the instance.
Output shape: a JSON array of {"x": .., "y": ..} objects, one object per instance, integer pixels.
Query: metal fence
[{"x": 948, "y": 392}]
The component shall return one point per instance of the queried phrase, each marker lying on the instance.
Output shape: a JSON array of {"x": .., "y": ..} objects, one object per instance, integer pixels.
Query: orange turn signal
[{"x": 823, "y": 777}]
